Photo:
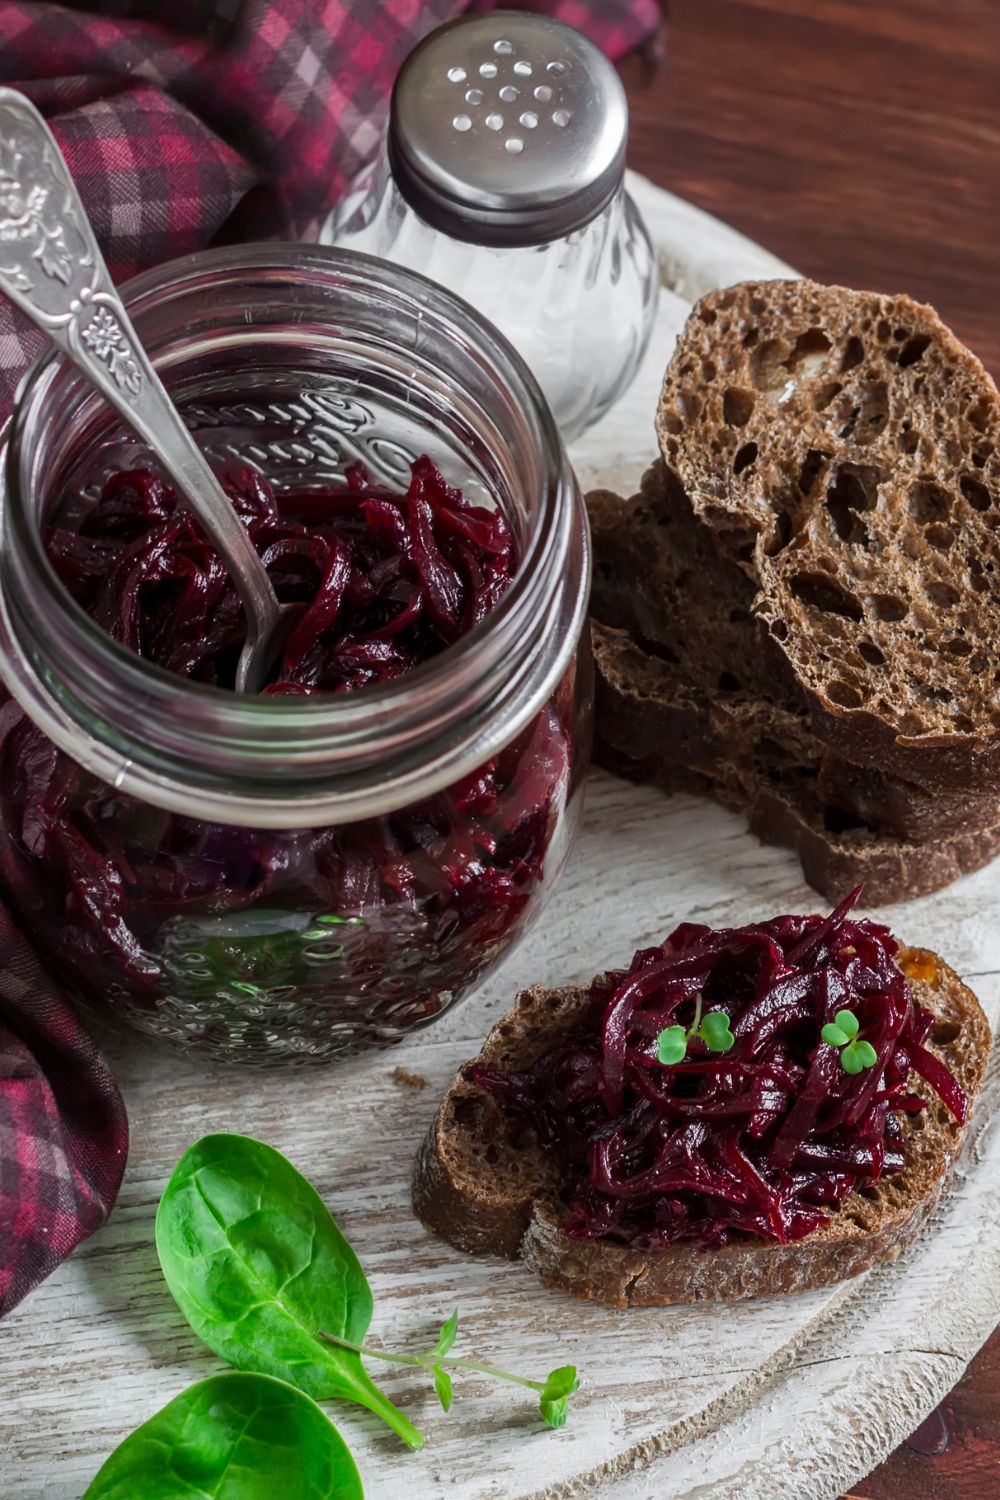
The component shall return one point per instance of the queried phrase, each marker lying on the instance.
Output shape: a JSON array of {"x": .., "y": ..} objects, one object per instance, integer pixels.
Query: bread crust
[
  {"x": 691, "y": 696},
  {"x": 644, "y": 740},
  {"x": 843, "y": 448},
  {"x": 511, "y": 1207},
  {"x": 891, "y": 870},
  {"x": 659, "y": 576}
]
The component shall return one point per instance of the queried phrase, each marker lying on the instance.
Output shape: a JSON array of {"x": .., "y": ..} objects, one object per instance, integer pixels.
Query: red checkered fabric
[
  {"x": 239, "y": 121},
  {"x": 183, "y": 124},
  {"x": 63, "y": 1131}
]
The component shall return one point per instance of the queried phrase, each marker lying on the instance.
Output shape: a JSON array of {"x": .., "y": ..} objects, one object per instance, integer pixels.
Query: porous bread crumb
[{"x": 844, "y": 449}]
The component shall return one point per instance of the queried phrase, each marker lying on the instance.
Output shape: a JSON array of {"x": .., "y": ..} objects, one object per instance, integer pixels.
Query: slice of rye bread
[
  {"x": 844, "y": 449},
  {"x": 834, "y": 857},
  {"x": 720, "y": 699},
  {"x": 484, "y": 1185},
  {"x": 782, "y": 804}
]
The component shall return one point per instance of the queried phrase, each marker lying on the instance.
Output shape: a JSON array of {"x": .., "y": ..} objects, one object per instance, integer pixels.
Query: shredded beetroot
[
  {"x": 348, "y": 933},
  {"x": 758, "y": 1140},
  {"x": 385, "y": 581}
]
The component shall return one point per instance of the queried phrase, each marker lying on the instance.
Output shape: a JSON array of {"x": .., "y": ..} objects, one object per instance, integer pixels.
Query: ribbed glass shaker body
[
  {"x": 579, "y": 310},
  {"x": 288, "y": 880},
  {"x": 502, "y": 178}
]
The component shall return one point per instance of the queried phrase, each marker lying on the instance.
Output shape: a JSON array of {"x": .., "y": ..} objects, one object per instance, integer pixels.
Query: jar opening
[{"x": 297, "y": 360}]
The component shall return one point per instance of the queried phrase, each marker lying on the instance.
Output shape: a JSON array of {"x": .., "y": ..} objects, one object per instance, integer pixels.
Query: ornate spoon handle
[{"x": 51, "y": 267}]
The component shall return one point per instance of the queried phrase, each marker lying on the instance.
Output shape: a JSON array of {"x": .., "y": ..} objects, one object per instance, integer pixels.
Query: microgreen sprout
[
  {"x": 713, "y": 1030},
  {"x": 855, "y": 1052},
  {"x": 553, "y": 1392}
]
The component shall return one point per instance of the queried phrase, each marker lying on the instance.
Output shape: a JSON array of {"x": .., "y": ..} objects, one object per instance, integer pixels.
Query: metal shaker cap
[{"x": 507, "y": 129}]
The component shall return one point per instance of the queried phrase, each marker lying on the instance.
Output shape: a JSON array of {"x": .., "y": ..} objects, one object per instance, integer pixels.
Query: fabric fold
[{"x": 63, "y": 1128}]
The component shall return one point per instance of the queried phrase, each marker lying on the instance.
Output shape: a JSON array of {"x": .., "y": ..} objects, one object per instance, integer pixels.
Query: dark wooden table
[{"x": 859, "y": 140}]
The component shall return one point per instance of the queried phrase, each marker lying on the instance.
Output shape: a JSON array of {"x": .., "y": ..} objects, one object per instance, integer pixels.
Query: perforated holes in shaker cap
[{"x": 508, "y": 129}]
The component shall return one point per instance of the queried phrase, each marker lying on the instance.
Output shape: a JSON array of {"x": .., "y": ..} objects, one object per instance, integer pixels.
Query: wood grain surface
[
  {"x": 680, "y": 1382},
  {"x": 853, "y": 138},
  {"x": 954, "y": 1453},
  {"x": 860, "y": 141},
  {"x": 764, "y": 1400}
]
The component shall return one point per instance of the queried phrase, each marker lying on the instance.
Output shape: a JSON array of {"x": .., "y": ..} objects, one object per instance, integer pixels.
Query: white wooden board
[{"x": 794, "y": 1397}]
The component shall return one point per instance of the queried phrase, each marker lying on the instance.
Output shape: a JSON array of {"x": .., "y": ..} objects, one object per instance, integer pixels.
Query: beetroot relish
[
  {"x": 162, "y": 915},
  {"x": 385, "y": 581},
  {"x": 760, "y": 1140}
]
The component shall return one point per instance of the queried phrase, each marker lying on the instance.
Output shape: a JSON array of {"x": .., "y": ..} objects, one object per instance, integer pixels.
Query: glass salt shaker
[{"x": 502, "y": 178}]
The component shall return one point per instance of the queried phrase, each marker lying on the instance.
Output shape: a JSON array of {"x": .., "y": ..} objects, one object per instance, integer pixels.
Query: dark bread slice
[
  {"x": 835, "y": 862},
  {"x": 647, "y": 735},
  {"x": 658, "y": 575},
  {"x": 478, "y": 1186},
  {"x": 898, "y": 807},
  {"x": 844, "y": 449}
]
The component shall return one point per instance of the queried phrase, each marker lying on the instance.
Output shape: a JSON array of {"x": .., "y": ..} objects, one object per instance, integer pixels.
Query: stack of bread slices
[{"x": 799, "y": 613}]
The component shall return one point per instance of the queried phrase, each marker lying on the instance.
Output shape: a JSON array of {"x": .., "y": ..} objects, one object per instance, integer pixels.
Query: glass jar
[{"x": 283, "y": 879}]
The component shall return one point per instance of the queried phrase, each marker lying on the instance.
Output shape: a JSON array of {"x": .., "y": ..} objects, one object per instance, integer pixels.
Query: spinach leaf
[
  {"x": 234, "y": 1437},
  {"x": 258, "y": 1267}
]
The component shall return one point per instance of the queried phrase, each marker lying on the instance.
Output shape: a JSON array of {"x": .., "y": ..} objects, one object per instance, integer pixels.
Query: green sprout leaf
[
  {"x": 555, "y": 1413},
  {"x": 671, "y": 1045},
  {"x": 842, "y": 1032},
  {"x": 715, "y": 1033},
  {"x": 446, "y": 1338},
  {"x": 857, "y": 1055},
  {"x": 443, "y": 1386},
  {"x": 561, "y": 1382},
  {"x": 553, "y": 1401},
  {"x": 713, "y": 1030},
  {"x": 553, "y": 1393}
]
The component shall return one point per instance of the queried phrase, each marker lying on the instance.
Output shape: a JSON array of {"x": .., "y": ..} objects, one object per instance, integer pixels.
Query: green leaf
[
  {"x": 446, "y": 1338},
  {"x": 858, "y": 1055},
  {"x": 233, "y": 1437},
  {"x": 561, "y": 1382},
  {"x": 443, "y": 1386},
  {"x": 258, "y": 1267},
  {"x": 834, "y": 1035},
  {"x": 555, "y": 1412},
  {"x": 848, "y": 1023},
  {"x": 553, "y": 1403},
  {"x": 671, "y": 1045},
  {"x": 715, "y": 1033}
]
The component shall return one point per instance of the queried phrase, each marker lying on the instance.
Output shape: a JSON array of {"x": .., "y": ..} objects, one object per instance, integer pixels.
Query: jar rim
[{"x": 293, "y": 762}]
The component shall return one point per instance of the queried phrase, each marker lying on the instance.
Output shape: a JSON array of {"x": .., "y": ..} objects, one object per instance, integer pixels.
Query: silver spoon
[{"x": 52, "y": 268}]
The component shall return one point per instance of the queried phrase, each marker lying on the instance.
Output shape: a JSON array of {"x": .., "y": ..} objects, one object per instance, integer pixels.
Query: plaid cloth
[
  {"x": 231, "y": 119},
  {"x": 63, "y": 1131},
  {"x": 245, "y": 121}
]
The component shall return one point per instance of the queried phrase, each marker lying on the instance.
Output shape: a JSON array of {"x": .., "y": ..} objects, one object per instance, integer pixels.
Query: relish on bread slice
[{"x": 747, "y": 1112}]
